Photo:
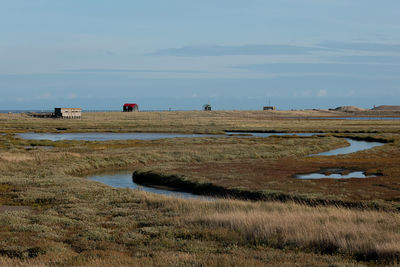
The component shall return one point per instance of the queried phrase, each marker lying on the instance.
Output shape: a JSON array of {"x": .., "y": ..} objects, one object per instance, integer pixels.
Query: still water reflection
[
  {"x": 123, "y": 179},
  {"x": 105, "y": 136},
  {"x": 334, "y": 175},
  {"x": 355, "y": 146}
]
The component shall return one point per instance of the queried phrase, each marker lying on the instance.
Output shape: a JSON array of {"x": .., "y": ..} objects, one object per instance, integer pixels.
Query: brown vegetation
[
  {"x": 201, "y": 122},
  {"x": 74, "y": 221}
]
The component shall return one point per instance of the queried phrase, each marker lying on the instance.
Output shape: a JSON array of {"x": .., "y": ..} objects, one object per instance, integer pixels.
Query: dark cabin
[
  {"x": 130, "y": 107},
  {"x": 269, "y": 108},
  {"x": 207, "y": 107}
]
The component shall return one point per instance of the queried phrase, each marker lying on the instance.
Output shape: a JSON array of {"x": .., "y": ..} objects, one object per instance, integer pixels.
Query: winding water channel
[
  {"x": 124, "y": 179},
  {"x": 140, "y": 136},
  {"x": 355, "y": 146},
  {"x": 106, "y": 136}
]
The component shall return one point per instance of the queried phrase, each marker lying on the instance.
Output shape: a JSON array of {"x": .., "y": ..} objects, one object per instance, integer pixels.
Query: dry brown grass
[
  {"x": 235, "y": 257},
  {"x": 74, "y": 221},
  {"x": 195, "y": 121},
  {"x": 15, "y": 157},
  {"x": 366, "y": 235}
]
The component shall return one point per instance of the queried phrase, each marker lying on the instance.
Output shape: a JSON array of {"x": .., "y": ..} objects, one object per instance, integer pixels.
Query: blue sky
[{"x": 182, "y": 54}]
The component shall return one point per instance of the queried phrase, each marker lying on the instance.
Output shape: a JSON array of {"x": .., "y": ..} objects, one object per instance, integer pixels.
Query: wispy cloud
[
  {"x": 131, "y": 71},
  {"x": 361, "y": 46},
  {"x": 367, "y": 59},
  {"x": 276, "y": 49},
  {"x": 251, "y": 49},
  {"x": 326, "y": 68}
]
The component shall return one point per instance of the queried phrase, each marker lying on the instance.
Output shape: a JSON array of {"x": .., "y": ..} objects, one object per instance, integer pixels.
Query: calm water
[
  {"x": 137, "y": 136},
  {"x": 355, "y": 146},
  {"x": 124, "y": 180},
  {"x": 105, "y": 136},
  {"x": 333, "y": 176}
]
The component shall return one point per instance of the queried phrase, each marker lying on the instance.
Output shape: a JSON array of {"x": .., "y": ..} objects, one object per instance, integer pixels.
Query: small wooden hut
[
  {"x": 69, "y": 113},
  {"x": 130, "y": 107}
]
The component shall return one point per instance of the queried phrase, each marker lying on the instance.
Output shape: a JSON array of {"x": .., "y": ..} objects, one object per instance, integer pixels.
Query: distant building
[
  {"x": 269, "y": 108},
  {"x": 130, "y": 107},
  {"x": 207, "y": 107},
  {"x": 70, "y": 113}
]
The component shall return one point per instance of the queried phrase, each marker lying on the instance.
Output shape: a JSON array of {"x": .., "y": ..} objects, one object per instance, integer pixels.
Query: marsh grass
[
  {"x": 320, "y": 230},
  {"x": 195, "y": 122},
  {"x": 74, "y": 221},
  {"x": 365, "y": 235},
  {"x": 206, "y": 232}
]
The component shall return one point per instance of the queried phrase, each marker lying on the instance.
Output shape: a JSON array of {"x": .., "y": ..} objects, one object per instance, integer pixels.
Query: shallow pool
[
  {"x": 123, "y": 179},
  {"x": 105, "y": 136},
  {"x": 355, "y": 146},
  {"x": 357, "y": 174}
]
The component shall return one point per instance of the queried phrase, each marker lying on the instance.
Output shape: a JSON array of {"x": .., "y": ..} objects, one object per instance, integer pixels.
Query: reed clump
[{"x": 367, "y": 236}]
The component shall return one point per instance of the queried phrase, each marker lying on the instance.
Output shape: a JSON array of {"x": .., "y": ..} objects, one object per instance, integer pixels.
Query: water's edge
[
  {"x": 184, "y": 188},
  {"x": 181, "y": 183}
]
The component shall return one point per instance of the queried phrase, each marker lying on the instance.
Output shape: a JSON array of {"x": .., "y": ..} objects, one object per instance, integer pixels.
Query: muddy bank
[
  {"x": 382, "y": 140},
  {"x": 123, "y": 179},
  {"x": 183, "y": 184}
]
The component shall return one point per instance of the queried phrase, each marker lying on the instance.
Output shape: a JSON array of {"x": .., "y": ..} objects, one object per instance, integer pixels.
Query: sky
[{"x": 181, "y": 54}]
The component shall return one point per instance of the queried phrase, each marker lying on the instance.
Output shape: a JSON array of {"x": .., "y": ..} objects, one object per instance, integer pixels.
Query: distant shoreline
[{"x": 284, "y": 114}]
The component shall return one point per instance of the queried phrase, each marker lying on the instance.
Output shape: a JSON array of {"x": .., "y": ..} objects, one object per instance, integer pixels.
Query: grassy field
[
  {"x": 198, "y": 122},
  {"x": 65, "y": 219}
]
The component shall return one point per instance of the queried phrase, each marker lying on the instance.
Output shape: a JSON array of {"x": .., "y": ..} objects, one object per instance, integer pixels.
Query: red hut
[{"x": 130, "y": 107}]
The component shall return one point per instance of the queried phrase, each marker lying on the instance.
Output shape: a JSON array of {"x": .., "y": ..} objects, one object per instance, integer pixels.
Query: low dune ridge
[
  {"x": 387, "y": 108},
  {"x": 349, "y": 108}
]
